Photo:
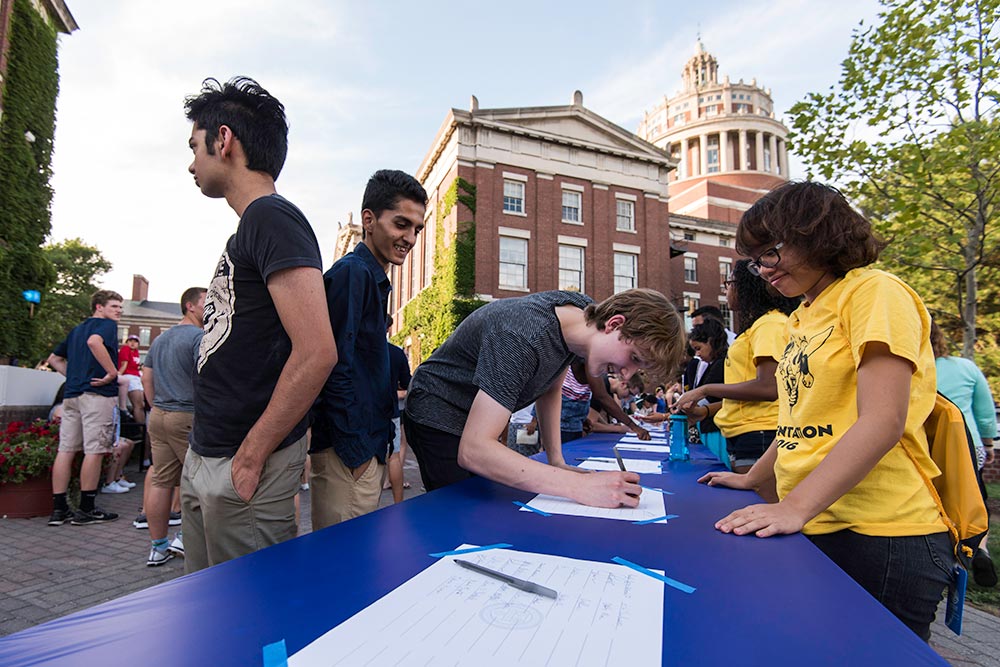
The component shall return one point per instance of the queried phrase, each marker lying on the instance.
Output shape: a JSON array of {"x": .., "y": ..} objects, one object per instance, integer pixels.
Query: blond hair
[{"x": 652, "y": 324}]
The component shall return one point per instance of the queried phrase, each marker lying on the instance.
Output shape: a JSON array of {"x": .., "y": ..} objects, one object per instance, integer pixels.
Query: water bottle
[{"x": 678, "y": 438}]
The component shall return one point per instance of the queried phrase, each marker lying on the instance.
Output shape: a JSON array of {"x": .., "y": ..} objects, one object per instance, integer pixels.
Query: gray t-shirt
[
  {"x": 512, "y": 349},
  {"x": 173, "y": 356}
]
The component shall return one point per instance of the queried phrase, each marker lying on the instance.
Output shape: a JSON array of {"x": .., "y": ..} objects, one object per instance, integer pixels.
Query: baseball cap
[{"x": 132, "y": 337}]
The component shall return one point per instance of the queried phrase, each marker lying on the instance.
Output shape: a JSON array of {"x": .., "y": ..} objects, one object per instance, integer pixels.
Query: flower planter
[{"x": 30, "y": 498}]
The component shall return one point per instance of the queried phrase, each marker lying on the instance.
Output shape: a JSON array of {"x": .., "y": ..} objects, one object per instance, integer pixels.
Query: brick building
[
  {"x": 144, "y": 318},
  {"x": 564, "y": 199}
]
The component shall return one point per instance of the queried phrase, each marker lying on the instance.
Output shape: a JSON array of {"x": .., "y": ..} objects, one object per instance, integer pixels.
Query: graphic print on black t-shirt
[
  {"x": 794, "y": 365},
  {"x": 219, "y": 303}
]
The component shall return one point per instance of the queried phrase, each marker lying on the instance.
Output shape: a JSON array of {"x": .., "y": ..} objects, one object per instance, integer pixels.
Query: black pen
[
  {"x": 520, "y": 584},
  {"x": 621, "y": 464}
]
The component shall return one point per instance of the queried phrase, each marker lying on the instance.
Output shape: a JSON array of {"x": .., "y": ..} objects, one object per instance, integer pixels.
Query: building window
[
  {"x": 144, "y": 336},
  {"x": 513, "y": 263},
  {"x": 625, "y": 216},
  {"x": 571, "y": 267},
  {"x": 689, "y": 236},
  {"x": 711, "y": 110},
  {"x": 513, "y": 197},
  {"x": 743, "y": 108},
  {"x": 625, "y": 271},
  {"x": 679, "y": 119},
  {"x": 713, "y": 154},
  {"x": 691, "y": 269},
  {"x": 122, "y": 335},
  {"x": 727, "y": 315},
  {"x": 725, "y": 270},
  {"x": 572, "y": 202},
  {"x": 724, "y": 242},
  {"x": 691, "y": 304}
]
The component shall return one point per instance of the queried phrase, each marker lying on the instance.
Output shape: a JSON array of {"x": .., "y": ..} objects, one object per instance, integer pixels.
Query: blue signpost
[{"x": 32, "y": 296}]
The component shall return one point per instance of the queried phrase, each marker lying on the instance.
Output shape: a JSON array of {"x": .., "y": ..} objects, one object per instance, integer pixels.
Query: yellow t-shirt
[
  {"x": 764, "y": 338},
  {"x": 817, "y": 402}
]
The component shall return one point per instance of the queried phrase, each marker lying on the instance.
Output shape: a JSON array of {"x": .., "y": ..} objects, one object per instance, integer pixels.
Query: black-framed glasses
[
  {"x": 729, "y": 282},
  {"x": 767, "y": 260}
]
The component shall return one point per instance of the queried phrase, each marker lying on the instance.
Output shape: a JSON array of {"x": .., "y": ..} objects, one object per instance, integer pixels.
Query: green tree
[
  {"x": 26, "y": 132},
  {"x": 67, "y": 303},
  {"x": 910, "y": 131}
]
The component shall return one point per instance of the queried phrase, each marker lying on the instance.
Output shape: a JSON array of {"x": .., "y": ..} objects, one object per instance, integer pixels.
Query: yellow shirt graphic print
[{"x": 817, "y": 402}]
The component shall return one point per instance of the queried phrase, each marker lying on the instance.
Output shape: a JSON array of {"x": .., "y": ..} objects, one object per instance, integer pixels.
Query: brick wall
[{"x": 991, "y": 471}]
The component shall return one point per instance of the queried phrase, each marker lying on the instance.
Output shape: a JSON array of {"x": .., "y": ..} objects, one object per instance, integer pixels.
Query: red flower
[
  {"x": 10, "y": 471},
  {"x": 3, "y": 459},
  {"x": 18, "y": 450}
]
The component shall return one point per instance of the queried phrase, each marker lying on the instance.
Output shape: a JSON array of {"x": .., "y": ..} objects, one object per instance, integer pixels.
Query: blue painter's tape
[
  {"x": 459, "y": 552},
  {"x": 529, "y": 507},
  {"x": 659, "y": 518},
  {"x": 684, "y": 588},
  {"x": 652, "y": 488},
  {"x": 276, "y": 655}
]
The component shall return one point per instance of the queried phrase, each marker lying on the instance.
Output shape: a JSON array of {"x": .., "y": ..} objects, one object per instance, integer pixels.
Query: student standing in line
[
  {"x": 511, "y": 352},
  {"x": 855, "y": 386},
  {"x": 352, "y": 420}
]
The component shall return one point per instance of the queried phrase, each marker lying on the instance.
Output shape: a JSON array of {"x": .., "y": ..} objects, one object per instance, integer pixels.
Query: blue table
[{"x": 776, "y": 601}]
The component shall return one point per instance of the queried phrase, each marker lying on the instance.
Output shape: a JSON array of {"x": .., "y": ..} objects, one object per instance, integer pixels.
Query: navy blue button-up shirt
[{"x": 353, "y": 413}]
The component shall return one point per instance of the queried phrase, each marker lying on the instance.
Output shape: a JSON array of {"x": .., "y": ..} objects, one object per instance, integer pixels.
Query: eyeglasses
[
  {"x": 767, "y": 260},
  {"x": 728, "y": 283}
]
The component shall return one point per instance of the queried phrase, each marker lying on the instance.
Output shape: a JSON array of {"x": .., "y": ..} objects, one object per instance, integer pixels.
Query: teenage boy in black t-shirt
[{"x": 268, "y": 345}]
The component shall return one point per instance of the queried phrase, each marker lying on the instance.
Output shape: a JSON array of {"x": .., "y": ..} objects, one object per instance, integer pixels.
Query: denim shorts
[{"x": 907, "y": 575}]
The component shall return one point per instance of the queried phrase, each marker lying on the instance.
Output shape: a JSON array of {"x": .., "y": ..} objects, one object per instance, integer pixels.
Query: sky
[{"x": 366, "y": 86}]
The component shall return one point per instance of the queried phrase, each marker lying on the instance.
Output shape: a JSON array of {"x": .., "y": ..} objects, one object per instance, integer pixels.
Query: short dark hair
[
  {"x": 711, "y": 332},
  {"x": 255, "y": 116},
  {"x": 755, "y": 297},
  {"x": 101, "y": 298},
  {"x": 815, "y": 219},
  {"x": 387, "y": 186},
  {"x": 710, "y": 312},
  {"x": 190, "y": 295}
]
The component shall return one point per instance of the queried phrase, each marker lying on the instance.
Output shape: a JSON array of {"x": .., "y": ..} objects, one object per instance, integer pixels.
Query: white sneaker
[
  {"x": 125, "y": 482},
  {"x": 157, "y": 557},
  {"x": 177, "y": 546},
  {"x": 114, "y": 488}
]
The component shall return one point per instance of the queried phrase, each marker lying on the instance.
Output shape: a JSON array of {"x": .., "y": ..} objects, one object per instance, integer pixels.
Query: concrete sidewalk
[{"x": 48, "y": 572}]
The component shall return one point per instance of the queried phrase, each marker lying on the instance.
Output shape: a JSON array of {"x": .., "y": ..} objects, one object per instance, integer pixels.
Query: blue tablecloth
[{"x": 776, "y": 601}]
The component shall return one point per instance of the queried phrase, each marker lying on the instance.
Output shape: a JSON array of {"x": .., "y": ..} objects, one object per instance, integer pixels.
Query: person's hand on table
[
  {"x": 608, "y": 489},
  {"x": 653, "y": 417},
  {"x": 730, "y": 480},
  {"x": 763, "y": 520},
  {"x": 640, "y": 432}
]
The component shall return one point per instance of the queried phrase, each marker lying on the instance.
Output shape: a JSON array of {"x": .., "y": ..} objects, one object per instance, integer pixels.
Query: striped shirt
[{"x": 511, "y": 349}]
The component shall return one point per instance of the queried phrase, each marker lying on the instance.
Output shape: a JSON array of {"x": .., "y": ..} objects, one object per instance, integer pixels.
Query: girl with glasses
[{"x": 856, "y": 383}]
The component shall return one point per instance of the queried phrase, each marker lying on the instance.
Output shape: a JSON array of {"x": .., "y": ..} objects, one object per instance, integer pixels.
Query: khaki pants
[
  {"x": 334, "y": 494},
  {"x": 168, "y": 435},
  {"x": 219, "y": 525}
]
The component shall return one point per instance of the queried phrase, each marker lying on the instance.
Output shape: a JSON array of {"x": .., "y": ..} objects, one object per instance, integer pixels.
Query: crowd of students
[{"x": 817, "y": 400}]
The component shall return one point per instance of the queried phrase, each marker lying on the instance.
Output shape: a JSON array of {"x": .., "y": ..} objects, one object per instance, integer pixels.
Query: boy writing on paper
[{"x": 514, "y": 351}]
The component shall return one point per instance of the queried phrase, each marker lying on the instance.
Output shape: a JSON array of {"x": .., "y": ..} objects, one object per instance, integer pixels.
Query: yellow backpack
[{"x": 958, "y": 490}]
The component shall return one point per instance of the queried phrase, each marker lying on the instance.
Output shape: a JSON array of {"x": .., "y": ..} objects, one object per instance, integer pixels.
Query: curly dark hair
[
  {"x": 815, "y": 219},
  {"x": 713, "y": 333},
  {"x": 754, "y": 297},
  {"x": 255, "y": 116}
]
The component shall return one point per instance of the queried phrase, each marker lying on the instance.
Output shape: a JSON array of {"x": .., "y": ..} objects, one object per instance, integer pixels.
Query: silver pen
[{"x": 521, "y": 584}]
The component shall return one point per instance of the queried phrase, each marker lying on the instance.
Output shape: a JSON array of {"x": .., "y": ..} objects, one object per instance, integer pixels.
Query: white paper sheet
[
  {"x": 643, "y": 447},
  {"x": 641, "y": 466},
  {"x": 650, "y": 507},
  {"x": 606, "y": 614}
]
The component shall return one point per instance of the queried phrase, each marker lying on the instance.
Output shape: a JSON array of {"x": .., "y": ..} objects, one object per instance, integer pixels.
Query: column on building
[
  {"x": 759, "y": 145},
  {"x": 742, "y": 162},
  {"x": 703, "y": 153},
  {"x": 682, "y": 168},
  {"x": 784, "y": 159},
  {"x": 724, "y": 150},
  {"x": 773, "y": 145}
]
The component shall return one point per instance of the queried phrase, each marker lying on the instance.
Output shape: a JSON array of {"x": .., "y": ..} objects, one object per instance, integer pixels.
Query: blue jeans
[{"x": 907, "y": 575}]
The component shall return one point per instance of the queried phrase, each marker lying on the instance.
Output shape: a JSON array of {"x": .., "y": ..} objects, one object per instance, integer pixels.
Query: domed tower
[{"x": 729, "y": 146}]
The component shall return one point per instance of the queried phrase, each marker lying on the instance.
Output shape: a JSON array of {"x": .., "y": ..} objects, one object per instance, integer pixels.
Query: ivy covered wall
[
  {"x": 437, "y": 310},
  {"x": 26, "y": 134}
]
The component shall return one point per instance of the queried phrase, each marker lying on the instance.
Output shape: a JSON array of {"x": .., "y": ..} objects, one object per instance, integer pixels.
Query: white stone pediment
[{"x": 571, "y": 125}]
